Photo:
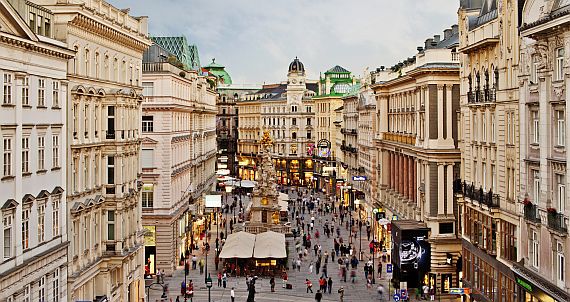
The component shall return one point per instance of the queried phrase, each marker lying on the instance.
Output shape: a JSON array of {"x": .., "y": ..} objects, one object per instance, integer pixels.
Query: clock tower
[{"x": 296, "y": 85}]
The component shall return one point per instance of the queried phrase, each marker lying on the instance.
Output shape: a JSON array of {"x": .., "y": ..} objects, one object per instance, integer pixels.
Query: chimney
[
  {"x": 436, "y": 38},
  {"x": 428, "y": 43},
  {"x": 447, "y": 34},
  {"x": 420, "y": 49},
  {"x": 454, "y": 29}
]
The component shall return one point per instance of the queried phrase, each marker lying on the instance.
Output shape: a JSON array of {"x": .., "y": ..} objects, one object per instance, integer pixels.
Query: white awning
[
  {"x": 247, "y": 184},
  {"x": 269, "y": 245},
  {"x": 238, "y": 245},
  {"x": 284, "y": 204},
  {"x": 213, "y": 201},
  {"x": 283, "y": 196}
]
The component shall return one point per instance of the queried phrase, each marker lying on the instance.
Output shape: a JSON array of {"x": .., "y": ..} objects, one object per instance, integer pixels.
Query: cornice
[
  {"x": 37, "y": 47},
  {"x": 90, "y": 25}
]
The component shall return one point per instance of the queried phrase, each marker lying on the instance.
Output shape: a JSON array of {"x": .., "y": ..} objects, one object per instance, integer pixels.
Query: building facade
[
  {"x": 33, "y": 257},
  {"x": 336, "y": 82},
  {"x": 542, "y": 271},
  {"x": 418, "y": 159},
  {"x": 103, "y": 139},
  {"x": 489, "y": 221},
  {"x": 348, "y": 167},
  {"x": 365, "y": 181},
  {"x": 286, "y": 111},
  {"x": 177, "y": 157}
]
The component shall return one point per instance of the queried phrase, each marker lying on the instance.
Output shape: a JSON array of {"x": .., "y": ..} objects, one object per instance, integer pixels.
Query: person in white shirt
[{"x": 233, "y": 295}]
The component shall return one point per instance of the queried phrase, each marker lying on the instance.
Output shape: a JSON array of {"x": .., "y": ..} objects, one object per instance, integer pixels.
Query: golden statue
[{"x": 266, "y": 140}]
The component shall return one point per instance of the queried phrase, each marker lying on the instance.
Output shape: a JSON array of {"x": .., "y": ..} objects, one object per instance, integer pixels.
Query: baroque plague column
[{"x": 103, "y": 196}]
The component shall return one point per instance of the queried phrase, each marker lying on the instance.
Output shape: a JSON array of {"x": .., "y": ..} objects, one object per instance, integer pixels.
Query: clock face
[
  {"x": 294, "y": 81},
  {"x": 264, "y": 201}
]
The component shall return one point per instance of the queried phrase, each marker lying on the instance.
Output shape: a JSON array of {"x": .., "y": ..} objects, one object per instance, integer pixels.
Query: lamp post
[
  {"x": 229, "y": 190},
  {"x": 209, "y": 286}
]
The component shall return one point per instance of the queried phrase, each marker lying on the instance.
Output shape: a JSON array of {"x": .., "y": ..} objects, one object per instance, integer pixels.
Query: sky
[{"x": 257, "y": 39}]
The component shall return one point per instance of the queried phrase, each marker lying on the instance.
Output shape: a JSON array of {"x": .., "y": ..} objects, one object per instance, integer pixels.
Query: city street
[{"x": 357, "y": 291}]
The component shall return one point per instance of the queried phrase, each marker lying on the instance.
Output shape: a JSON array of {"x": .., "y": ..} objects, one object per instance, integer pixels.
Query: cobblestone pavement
[{"x": 357, "y": 291}]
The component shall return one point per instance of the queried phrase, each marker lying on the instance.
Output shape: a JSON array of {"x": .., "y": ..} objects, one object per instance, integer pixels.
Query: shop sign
[
  {"x": 525, "y": 285},
  {"x": 389, "y": 268},
  {"x": 359, "y": 178},
  {"x": 404, "y": 294},
  {"x": 396, "y": 297},
  {"x": 383, "y": 221},
  {"x": 459, "y": 291}
]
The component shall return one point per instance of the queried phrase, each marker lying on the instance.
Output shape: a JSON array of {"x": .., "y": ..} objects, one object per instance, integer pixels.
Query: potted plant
[{"x": 527, "y": 202}]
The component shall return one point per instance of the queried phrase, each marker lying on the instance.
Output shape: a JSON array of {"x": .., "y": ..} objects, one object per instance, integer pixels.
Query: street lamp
[
  {"x": 209, "y": 286},
  {"x": 229, "y": 190}
]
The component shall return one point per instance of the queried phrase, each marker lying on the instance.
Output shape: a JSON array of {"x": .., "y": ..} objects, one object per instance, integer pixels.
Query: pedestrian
[
  {"x": 224, "y": 280},
  {"x": 311, "y": 268},
  {"x": 329, "y": 284},
  {"x": 318, "y": 296},
  {"x": 201, "y": 265},
  {"x": 177, "y": 299},
  {"x": 432, "y": 294},
  {"x": 425, "y": 293},
  {"x": 219, "y": 279},
  {"x": 194, "y": 260},
  {"x": 309, "y": 285},
  {"x": 380, "y": 270},
  {"x": 272, "y": 283},
  {"x": 233, "y": 295},
  {"x": 341, "y": 294},
  {"x": 158, "y": 276}
]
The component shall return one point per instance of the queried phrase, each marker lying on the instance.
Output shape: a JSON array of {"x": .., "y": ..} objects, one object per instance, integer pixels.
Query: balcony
[
  {"x": 408, "y": 139},
  {"x": 485, "y": 198},
  {"x": 487, "y": 95},
  {"x": 557, "y": 223},
  {"x": 531, "y": 213}
]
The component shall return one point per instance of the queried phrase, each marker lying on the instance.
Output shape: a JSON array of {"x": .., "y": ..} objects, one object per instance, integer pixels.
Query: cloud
[{"x": 256, "y": 39}]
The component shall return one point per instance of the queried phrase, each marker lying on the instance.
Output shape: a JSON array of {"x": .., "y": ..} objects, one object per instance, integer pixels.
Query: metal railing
[
  {"x": 487, "y": 95},
  {"x": 557, "y": 223},
  {"x": 487, "y": 198},
  {"x": 531, "y": 213}
]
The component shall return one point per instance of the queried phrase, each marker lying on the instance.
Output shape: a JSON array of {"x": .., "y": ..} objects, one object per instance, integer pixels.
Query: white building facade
[
  {"x": 104, "y": 118},
  {"x": 33, "y": 253}
]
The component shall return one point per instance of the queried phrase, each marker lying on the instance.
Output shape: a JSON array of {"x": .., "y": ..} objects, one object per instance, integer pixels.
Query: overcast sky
[{"x": 257, "y": 39}]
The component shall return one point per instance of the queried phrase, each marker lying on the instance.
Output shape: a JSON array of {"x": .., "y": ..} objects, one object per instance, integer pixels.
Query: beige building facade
[
  {"x": 418, "y": 156},
  {"x": 103, "y": 196},
  {"x": 178, "y": 158},
  {"x": 489, "y": 143},
  {"x": 543, "y": 107},
  {"x": 33, "y": 105}
]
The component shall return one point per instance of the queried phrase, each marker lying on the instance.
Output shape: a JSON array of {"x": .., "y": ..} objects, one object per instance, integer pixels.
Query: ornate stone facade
[
  {"x": 104, "y": 118},
  {"x": 33, "y": 106}
]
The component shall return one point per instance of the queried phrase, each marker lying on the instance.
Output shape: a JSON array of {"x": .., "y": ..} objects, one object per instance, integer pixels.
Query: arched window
[
  {"x": 97, "y": 65},
  {"x": 294, "y": 135},
  {"x": 87, "y": 65},
  {"x": 76, "y": 48}
]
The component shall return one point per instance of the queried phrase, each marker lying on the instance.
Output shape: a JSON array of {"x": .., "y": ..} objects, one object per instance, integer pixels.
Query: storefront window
[{"x": 446, "y": 280}]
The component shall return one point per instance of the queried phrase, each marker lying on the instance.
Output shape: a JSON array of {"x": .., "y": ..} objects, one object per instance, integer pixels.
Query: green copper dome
[{"x": 219, "y": 71}]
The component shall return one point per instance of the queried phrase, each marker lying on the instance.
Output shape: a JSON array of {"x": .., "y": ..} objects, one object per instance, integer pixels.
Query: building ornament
[
  {"x": 558, "y": 91},
  {"x": 541, "y": 54}
]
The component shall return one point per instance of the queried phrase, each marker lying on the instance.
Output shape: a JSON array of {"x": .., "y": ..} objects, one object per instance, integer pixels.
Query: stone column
[
  {"x": 440, "y": 115},
  {"x": 401, "y": 173},
  {"x": 440, "y": 188},
  {"x": 449, "y": 184},
  {"x": 411, "y": 178},
  {"x": 405, "y": 176},
  {"x": 425, "y": 93}
]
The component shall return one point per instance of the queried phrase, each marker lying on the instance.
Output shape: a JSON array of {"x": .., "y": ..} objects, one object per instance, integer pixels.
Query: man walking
[
  {"x": 329, "y": 284},
  {"x": 233, "y": 295}
]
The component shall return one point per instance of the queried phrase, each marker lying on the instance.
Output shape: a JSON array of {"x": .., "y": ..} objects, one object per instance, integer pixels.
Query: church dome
[{"x": 296, "y": 66}]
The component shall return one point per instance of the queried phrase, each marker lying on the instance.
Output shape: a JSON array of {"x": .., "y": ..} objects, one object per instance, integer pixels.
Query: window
[
  {"x": 75, "y": 114},
  {"x": 561, "y": 193},
  {"x": 55, "y": 216},
  {"x": 25, "y": 155},
  {"x": 147, "y": 123},
  {"x": 55, "y": 150},
  {"x": 33, "y": 21},
  {"x": 86, "y": 62},
  {"x": 7, "y": 88},
  {"x": 42, "y": 289},
  {"x": 484, "y": 175},
  {"x": 147, "y": 158},
  {"x": 97, "y": 65},
  {"x": 560, "y": 127},
  {"x": 86, "y": 120},
  {"x": 534, "y": 249},
  {"x": 26, "y": 91},
  {"x": 7, "y": 220},
  {"x": 294, "y": 148},
  {"x": 110, "y": 225},
  {"x": 148, "y": 196},
  {"x": 7, "y": 155},
  {"x": 294, "y": 135},
  {"x": 41, "y": 153},
  {"x": 41, "y": 92},
  {"x": 559, "y": 71},
  {"x": 494, "y": 178},
  {"x": 484, "y": 125},
  {"x": 475, "y": 127},
  {"x": 293, "y": 108},
  {"x": 25, "y": 228},
  {"x": 47, "y": 27},
  {"x": 55, "y": 285},
  {"x": 55, "y": 94},
  {"x": 27, "y": 293},
  {"x": 535, "y": 127},
  {"x": 493, "y": 128},
  {"x": 536, "y": 186},
  {"x": 39, "y": 24},
  {"x": 510, "y": 128},
  {"x": 308, "y": 134},
  {"x": 308, "y": 109},
  {"x": 560, "y": 259},
  {"x": 86, "y": 173},
  {"x": 294, "y": 121},
  {"x": 110, "y": 170},
  {"x": 41, "y": 222},
  {"x": 308, "y": 121},
  {"x": 148, "y": 88}
]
